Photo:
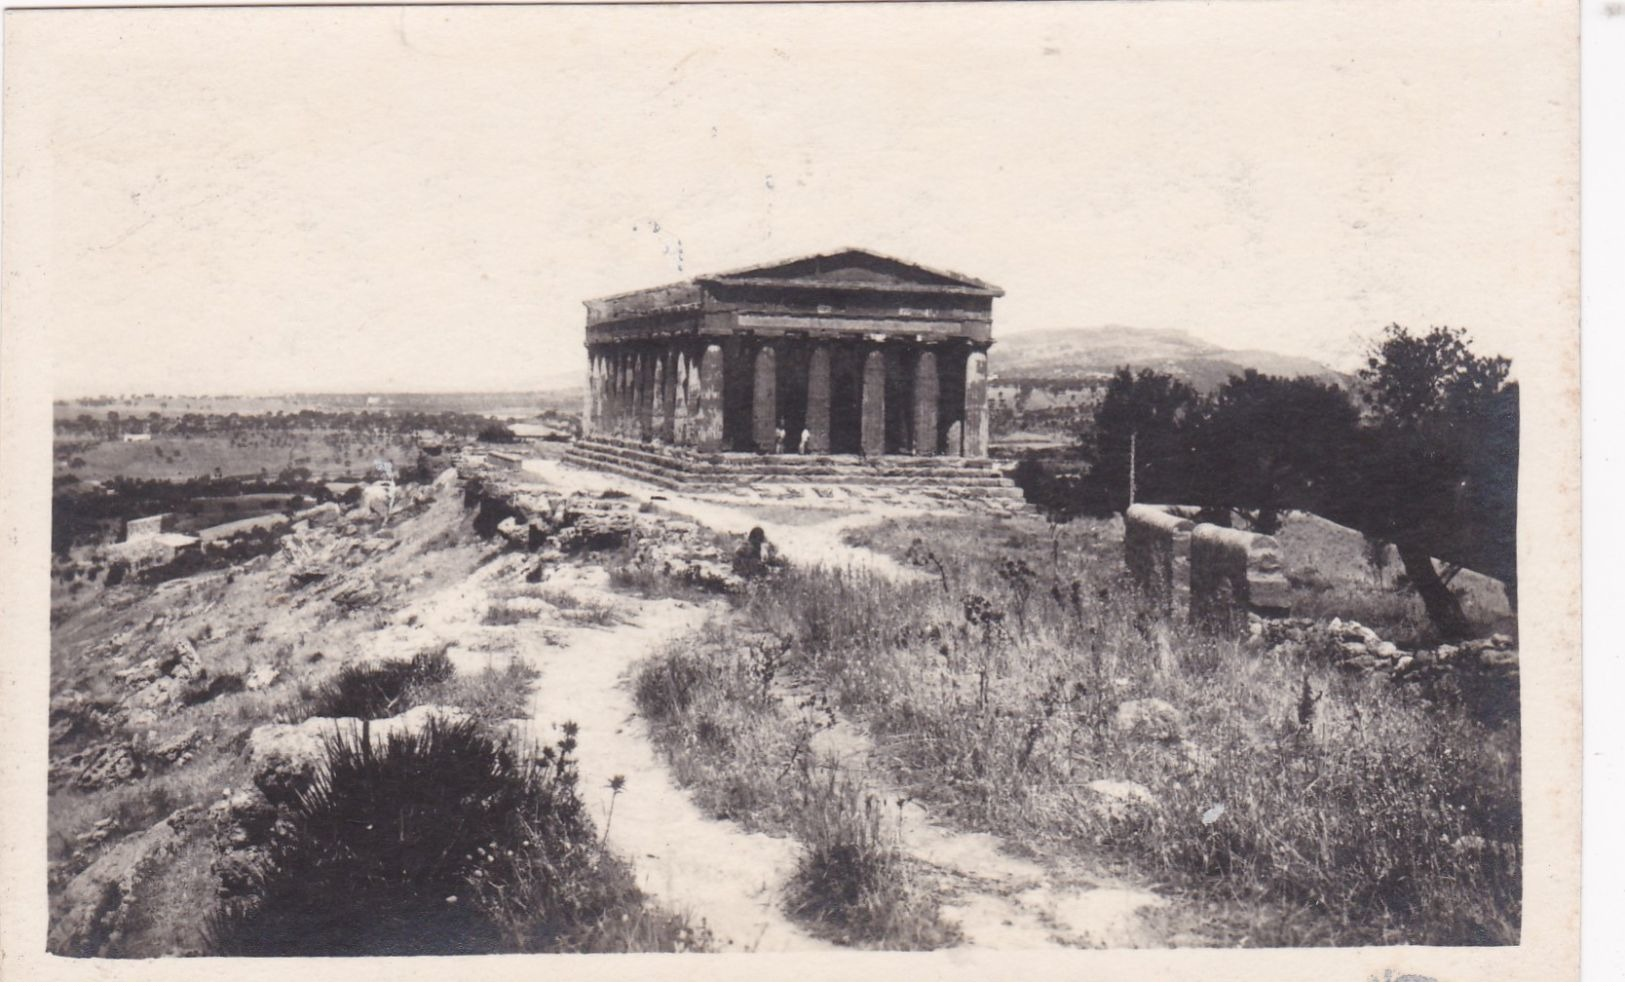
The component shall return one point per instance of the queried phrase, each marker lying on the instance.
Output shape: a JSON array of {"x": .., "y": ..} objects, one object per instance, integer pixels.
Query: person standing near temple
[
  {"x": 778, "y": 438},
  {"x": 806, "y": 440}
]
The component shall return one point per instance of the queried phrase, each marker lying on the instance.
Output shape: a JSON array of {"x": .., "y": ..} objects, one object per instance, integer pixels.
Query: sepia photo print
[{"x": 951, "y": 490}]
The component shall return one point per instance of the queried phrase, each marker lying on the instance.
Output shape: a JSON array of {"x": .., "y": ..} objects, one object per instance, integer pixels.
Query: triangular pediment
[{"x": 856, "y": 268}]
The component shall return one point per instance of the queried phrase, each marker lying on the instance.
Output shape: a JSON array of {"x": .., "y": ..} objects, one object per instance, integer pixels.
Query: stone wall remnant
[
  {"x": 1234, "y": 573},
  {"x": 1157, "y": 548}
]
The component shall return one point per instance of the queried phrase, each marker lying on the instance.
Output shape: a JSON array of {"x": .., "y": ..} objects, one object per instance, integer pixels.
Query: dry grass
[
  {"x": 853, "y": 880},
  {"x": 1316, "y": 808},
  {"x": 744, "y": 746}
]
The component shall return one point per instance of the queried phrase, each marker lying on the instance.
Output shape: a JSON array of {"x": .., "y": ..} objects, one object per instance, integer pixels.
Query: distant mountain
[{"x": 1075, "y": 354}]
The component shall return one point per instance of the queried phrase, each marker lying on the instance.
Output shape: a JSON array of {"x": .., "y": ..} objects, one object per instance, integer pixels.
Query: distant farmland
[{"x": 327, "y": 453}]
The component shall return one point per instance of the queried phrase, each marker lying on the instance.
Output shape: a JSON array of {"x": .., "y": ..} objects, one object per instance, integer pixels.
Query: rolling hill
[{"x": 1073, "y": 354}]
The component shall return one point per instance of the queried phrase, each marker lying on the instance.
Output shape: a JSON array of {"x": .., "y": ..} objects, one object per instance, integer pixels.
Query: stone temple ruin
[
  {"x": 1218, "y": 575},
  {"x": 834, "y": 369}
]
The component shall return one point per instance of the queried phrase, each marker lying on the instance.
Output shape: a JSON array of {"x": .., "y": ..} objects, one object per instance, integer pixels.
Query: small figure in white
[
  {"x": 806, "y": 440},
  {"x": 778, "y": 439}
]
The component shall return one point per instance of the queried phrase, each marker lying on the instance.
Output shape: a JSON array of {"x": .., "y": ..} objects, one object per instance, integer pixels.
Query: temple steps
[{"x": 678, "y": 469}]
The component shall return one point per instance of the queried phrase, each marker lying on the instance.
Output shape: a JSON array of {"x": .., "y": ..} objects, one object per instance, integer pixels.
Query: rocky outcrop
[
  {"x": 89, "y": 915},
  {"x": 283, "y": 757},
  {"x": 98, "y": 766},
  {"x": 1115, "y": 800},
  {"x": 532, "y": 518},
  {"x": 680, "y": 551},
  {"x": 1149, "y": 719}
]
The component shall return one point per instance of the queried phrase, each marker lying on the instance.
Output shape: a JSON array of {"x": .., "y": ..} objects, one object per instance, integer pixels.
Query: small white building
[{"x": 143, "y": 528}]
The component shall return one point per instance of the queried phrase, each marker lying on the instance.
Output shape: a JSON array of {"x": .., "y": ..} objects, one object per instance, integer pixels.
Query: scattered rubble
[{"x": 1351, "y": 646}]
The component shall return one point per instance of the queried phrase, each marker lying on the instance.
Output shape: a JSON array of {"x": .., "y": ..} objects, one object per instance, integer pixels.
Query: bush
[
  {"x": 444, "y": 842},
  {"x": 377, "y": 690},
  {"x": 851, "y": 878}
]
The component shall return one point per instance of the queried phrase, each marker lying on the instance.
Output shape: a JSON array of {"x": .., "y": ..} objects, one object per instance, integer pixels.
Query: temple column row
[{"x": 673, "y": 393}]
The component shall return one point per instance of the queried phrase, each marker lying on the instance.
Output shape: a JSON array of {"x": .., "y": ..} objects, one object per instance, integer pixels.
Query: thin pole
[{"x": 1133, "y": 438}]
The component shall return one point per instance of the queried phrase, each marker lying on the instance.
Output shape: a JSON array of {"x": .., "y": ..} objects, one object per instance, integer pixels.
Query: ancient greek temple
[{"x": 848, "y": 353}]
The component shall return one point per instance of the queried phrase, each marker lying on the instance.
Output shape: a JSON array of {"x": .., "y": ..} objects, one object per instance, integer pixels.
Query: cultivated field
[{"x": 328, "y": 454}]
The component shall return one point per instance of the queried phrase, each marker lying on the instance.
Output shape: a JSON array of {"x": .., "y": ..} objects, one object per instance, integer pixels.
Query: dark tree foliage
[
  {"x": 497, "y": 432},
  {"x": 1431, "y": 466},
  {"x": 1440, "y": 462},
  {"x": 1145, "y": 413},
  {"x": 1269, "y": 444}
]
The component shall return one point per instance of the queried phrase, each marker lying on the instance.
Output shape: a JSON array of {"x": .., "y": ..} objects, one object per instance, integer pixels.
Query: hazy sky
[{"x": 419, "y": 199}]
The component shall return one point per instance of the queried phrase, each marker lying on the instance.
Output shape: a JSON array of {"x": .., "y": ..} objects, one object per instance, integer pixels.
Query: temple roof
[
  {"x": 848, "y": 268},
  {"x": 856, "y": 268}
]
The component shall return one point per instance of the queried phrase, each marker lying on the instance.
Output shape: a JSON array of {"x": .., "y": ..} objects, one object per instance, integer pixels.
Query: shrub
[
  {"x": 502, "y": 614},
  {"x": 377, "y": 690},
  {"x": 447, "y": 841},
  {"x": 490, "y": 693},
  {"x": 665, "y": 686},
  {"x": 852, "y": 878}
]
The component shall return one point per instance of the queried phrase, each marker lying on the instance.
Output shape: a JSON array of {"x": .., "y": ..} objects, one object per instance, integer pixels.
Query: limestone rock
[
  {"x": 97, "y": 766},
  {"x": 283, "y": 757},
  {"x": 177, "y": 747},
  {"x": 1119, "y": 800},
  {"x": 261, "y": 676},
  {"x": 1149, "y": 719},
  {"x": 93, "y": 908}
]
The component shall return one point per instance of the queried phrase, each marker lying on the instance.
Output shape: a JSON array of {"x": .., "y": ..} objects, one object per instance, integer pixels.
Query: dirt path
[
  {"x": 714, "y": 870},
  {"x": 1000, "y": 900}
]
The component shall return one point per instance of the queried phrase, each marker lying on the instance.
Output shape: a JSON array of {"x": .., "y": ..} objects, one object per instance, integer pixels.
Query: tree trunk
[{"x": 1444, "y": 609}]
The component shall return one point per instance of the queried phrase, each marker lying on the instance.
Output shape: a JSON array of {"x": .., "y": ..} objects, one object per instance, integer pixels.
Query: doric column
[
  {"x": 658, "y": 397},
  {"x": 623, "y": 402},
  {"x": 764, "y": 414},
  {"x": 682, "y": 383},
  {"x": 976, "y": 405},
  {"x": 817, "y": 399},
  {"x": 925, "y": 404},
  {"x": 589, "y": 399},
  {"x": 874, "y": 402},
  {"x": 617, "y": 392},
  {"x": 666, "y": 421},
  {"x": 646, "y": 395},
  {"x": 708, "y": 414}
]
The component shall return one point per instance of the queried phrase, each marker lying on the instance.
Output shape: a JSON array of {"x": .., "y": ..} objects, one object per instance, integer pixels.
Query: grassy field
[{"x": 1022, "y": 689}]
